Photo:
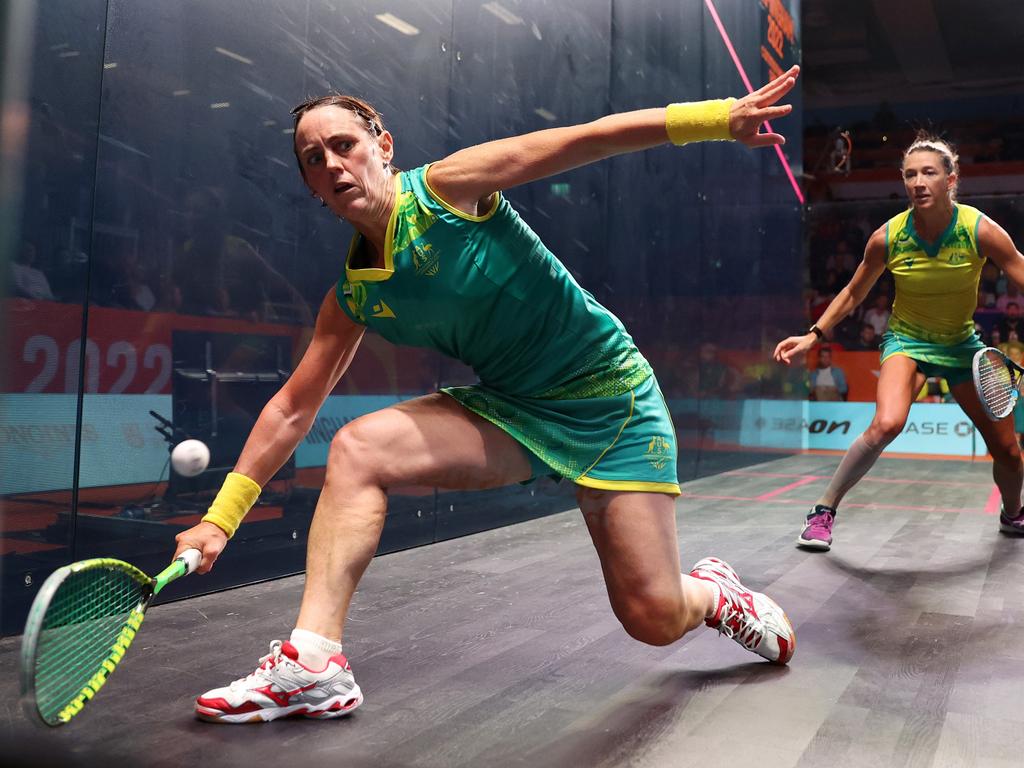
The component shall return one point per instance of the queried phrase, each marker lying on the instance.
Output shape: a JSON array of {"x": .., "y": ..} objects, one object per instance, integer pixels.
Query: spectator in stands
[
  {"x": 823, "y": 294},
  {"x": 878, "y": 314},
  {"x": 714, "y": 379},
  {"x": 1013, "y": 348},
  {"x": 935, "y": 390},
  {"x": 988, "y": 287},
  {"x": 1011, "y": 296},
  {"x": 992, "y": 152},
  {"x": 867, "y": 340},
  {"x": 28, "y": 281},
  {"x": 1011, "y": 321},
  {"x": 828, "y": 382},
  {"x": 842, "y": 260}
]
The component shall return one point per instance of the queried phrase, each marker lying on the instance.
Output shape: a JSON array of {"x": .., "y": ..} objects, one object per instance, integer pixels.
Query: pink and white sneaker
[
  {"x": 752, "y": 619},
  {"x": 282, "y": 686},
  {"x": 1011, "y": 525}
]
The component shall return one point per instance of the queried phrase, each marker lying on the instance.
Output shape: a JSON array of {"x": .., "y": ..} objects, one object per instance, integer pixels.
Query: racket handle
[{"x": 191, "y": 558}]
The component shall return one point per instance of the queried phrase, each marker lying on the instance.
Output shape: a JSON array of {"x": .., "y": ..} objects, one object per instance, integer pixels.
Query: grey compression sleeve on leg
[{"x": 858, "y": 460}]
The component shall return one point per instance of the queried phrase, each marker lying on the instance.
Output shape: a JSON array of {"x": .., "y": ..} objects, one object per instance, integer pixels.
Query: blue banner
[{"x": 931, "y": 428}]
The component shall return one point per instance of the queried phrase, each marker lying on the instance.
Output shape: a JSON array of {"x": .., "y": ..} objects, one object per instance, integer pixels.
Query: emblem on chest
[{"x": 426, "y": 260}]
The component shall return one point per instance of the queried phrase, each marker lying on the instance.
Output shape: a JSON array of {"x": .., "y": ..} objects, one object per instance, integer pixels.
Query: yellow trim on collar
[
  {"x": 377, "y": 274},
  {"x": 452, "y": 209}
]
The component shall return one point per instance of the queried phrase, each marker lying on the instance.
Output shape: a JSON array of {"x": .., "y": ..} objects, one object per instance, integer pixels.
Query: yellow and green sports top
[
  {"x": 936, "y": 283},
  {"x": 486, "y": 291}
]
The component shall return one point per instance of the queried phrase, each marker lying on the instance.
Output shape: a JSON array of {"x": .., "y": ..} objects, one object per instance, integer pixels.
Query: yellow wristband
[
  {"x": 233, "y": 502},
  {"x": 698, "y": 121}
]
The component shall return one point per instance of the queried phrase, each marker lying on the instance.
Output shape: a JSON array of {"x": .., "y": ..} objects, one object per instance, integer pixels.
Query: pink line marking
[
  {"x": 750, "y": 89},
  {"x": 868, "y": 479},
  {"x": 994, "y": 501},
  {"x": 740, "y": 473},
  {"x": 783, "y": 489},
  {"x": 846, "y": 504}
]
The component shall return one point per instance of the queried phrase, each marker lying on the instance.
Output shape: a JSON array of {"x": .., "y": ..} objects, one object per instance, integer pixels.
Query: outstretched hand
[
  {"x": 747, "y": 114},
  {"x": 788, "y": 349}
]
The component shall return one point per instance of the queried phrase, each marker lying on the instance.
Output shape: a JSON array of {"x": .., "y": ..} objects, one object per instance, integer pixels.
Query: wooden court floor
[{"x": 499, "y": 649}]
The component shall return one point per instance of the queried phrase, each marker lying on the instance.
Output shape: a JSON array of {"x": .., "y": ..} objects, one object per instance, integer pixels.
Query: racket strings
[
  {"x": 997, "y": 385},
  {"x": 82, "y": 623}
]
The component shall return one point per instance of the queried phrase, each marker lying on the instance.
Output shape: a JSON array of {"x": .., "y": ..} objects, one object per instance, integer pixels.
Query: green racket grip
[{"x": 183, "y": 565}]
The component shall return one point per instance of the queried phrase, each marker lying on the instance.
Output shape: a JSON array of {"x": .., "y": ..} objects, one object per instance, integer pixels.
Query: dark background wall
[{"x": 162, "y": 201}]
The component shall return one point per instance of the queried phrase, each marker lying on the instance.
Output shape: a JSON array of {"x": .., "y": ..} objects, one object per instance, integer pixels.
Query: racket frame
[
  {"x": 1016, "y": 374},
  {"x": 34, "y": 625}
]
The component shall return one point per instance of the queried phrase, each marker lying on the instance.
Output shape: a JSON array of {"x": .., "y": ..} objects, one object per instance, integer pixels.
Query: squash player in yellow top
[
  {"x": 935, "y": 251},
  {"x": 441, "y": 260}
]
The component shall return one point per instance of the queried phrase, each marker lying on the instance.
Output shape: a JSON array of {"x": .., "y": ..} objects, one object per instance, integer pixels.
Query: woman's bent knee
[
  {"x": 883, "y": 431},
  {"x": 353, "y": 453},
  {"x": 652, "y": 620}
]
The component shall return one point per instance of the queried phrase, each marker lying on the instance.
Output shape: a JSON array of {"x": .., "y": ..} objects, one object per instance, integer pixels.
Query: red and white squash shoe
[
  {"x": 752, "y": 619},
  {"x": 282, "y": 686}
]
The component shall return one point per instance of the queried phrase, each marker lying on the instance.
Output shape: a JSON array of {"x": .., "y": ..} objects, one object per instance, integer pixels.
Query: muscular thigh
[
  {"x": 430, "y": 440},
  {"x": 898, "y": 383},
  {"x": 635, "y": 537}
]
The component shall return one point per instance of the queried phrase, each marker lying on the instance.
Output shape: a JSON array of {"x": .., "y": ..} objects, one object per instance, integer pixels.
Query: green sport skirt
[
  {"x": 621, "y": 443},
  {"x": 950, "y": 361}
]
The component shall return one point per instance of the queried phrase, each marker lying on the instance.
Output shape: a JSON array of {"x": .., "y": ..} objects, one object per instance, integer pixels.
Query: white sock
[
  {"x": 860, "y": 457},
  {"x": 314, "y": 650}
]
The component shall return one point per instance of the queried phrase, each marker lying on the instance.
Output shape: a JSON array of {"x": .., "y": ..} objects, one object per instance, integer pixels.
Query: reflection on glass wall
[
  {"x": 43, "y": 309},
  {"x": 172, "y": 260}
]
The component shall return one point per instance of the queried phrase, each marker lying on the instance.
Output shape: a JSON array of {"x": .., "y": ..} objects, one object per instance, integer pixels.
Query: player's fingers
[
  {"x": 764, "y": 139},
  {"x": 775, "y": 89},
  {"x": 210, "y": 554},
  {"x": 181, "y": 545},
  {"x": 770, "y": 113},
  {"x": 781, "y": 349}
]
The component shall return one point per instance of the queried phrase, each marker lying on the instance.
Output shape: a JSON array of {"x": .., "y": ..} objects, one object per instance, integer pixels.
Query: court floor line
[
  {"x": 995, "y": 499},
  {"x": 788, "y": 487},
  {"x": 897, "y": 481},
  {"x": 846, "y": 504}
]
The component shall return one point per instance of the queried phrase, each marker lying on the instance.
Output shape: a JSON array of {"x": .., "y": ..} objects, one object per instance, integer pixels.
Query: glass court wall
[{"x": 169, "y": 261}]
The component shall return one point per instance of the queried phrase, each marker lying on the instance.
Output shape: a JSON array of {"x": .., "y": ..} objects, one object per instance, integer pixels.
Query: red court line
[
  {"x": 846, "y": 504},
  {"x": 741, "y": 473},
  {"x": 952, "y": 483},
  {"x": 994, "y": 502},
  {"x": 783, "y": 489},
  {"x": 750, "y": 89}
]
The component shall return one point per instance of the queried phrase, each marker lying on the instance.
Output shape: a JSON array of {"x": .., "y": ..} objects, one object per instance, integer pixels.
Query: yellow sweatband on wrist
[
  {"x": 698, "y": 121},
  {"x": 233, "y": 502}
]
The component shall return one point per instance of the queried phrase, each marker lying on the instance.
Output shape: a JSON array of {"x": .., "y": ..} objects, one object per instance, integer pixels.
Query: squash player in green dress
[
  {"x": 935, "y": 250},
  {"x": 441, "y": 260}
]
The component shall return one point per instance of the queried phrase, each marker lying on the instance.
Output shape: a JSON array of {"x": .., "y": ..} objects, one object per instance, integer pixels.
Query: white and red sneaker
[
  {"x": 282, "y": 686},
  {"x": 752, "y": 619}
]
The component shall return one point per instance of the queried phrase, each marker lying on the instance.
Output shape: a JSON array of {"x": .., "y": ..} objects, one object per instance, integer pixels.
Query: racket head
[
  {"x": 79, "y": 626},
  {"x": 997, "y": 382}
]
